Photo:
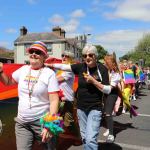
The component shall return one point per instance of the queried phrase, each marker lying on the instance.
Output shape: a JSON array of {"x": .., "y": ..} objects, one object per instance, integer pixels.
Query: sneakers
[
  {"x": 106, "y": 133},
  {"x": 123, "y": 111},
  {"x": 110, "y": 139},
  {"x": 113, "y": 113},
  {"x": 133, "y": 98}
]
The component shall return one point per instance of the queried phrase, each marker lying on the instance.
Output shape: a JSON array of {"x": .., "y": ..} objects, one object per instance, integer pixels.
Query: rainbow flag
[
  {"x": 141, "y": 75},
  {"x": 128, "y": 76}
]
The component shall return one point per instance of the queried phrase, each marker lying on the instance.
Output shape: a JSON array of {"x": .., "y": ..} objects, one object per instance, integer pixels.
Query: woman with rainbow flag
[
  {"x": 37, "y": 118},
  {"x": 127, "y": 88}
]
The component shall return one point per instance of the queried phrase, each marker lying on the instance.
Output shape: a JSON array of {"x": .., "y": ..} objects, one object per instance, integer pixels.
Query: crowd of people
[{"x": 46, "y": 88}]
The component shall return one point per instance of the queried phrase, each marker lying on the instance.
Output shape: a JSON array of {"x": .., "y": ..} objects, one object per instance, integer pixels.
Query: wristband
[{"x": 53, "y": 123}]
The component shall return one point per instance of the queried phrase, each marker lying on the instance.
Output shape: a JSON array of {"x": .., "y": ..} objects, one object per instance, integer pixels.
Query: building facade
[{"x": 56, "y": 43}]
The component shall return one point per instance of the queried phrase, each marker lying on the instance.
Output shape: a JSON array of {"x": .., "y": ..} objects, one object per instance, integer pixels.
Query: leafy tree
[
  {"x": 144, "y": 43},
  {"x": 101, "y": 52},
  {"x": 141, "y": 51}
]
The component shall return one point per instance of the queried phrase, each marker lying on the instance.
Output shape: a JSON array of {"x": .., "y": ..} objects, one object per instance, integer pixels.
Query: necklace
[
  {"x": 30, "y": 89},
  {"x": 98, "y": 71}
]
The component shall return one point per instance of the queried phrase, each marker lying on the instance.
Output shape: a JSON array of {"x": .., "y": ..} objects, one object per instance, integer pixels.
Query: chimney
[
  {"x": 57, "y": 30},
  {"x": 63, "y": 33},
  {"x": 23, "y": 31}
]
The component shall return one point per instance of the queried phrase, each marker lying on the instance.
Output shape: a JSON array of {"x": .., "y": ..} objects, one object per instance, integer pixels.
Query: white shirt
[
  {"x": 67, "y": 85},
  {"x": 46, "y": 84},
  {"x": 115, "y": 78}
]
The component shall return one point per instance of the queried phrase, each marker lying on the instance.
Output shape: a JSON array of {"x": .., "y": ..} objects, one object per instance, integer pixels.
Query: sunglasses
[
  {"x": 35, "y": 52},
  {"x": 63, "y": 55},
  {"x": 89, "y": 55}
]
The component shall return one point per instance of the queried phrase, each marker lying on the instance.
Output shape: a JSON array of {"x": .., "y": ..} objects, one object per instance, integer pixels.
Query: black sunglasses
[
  {"x": 63, "y": 55},
  {"x": 89, "y": 55},
  {"x": 35, "y": 52}
]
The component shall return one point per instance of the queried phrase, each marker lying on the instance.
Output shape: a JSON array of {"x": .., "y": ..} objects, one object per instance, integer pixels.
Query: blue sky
[{"x": 117, "y": 25}]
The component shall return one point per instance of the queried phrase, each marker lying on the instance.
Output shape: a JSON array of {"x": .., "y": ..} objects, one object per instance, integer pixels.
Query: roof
[
  {"x": 6, "y": 54},
  {"x": 47, "y": 36},
  {"x": 3, "y": 49}
]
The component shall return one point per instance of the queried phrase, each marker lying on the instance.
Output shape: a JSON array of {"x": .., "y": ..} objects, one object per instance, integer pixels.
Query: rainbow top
[
  {"x": 141, "y": 75},
  {"x": 128, "y": 76}
]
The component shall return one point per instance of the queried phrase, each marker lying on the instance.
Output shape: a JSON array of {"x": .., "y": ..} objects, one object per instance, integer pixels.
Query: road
[{"x": 131, "y": 133}]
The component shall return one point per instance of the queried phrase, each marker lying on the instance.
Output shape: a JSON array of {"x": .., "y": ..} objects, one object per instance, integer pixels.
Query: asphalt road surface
[{"x": 131, "y": 133}]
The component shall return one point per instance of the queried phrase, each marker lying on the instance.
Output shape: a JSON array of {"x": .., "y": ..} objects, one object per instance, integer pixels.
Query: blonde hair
[
  {"x": 110, "y": 58},
  {"x": 71, "y": 60}
]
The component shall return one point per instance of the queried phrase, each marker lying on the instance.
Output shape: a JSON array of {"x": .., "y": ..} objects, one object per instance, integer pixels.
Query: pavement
[{"x": 130, "y": 133}]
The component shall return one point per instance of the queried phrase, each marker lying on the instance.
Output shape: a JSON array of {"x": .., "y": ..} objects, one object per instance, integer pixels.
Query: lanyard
[
  {"x": 98, "y": 71},
  {"x": 33, "y": 84}
]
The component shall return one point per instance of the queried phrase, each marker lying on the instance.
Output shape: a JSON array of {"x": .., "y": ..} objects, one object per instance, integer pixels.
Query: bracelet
[
  {"x": 53, "y": 123},
  {"x": 1, "y": 71}
]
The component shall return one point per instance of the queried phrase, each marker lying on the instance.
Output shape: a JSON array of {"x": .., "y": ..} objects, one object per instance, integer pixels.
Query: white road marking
[
  {"x": 129, "y": 146},
  {"x": 142, "y": 115}
]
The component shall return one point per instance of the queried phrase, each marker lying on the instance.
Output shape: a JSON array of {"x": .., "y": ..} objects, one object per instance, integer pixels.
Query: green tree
[
  {"x": 101, "y": 52},
  {"x": 141, "y": 51},
  {"x": 143, "y": 44}
]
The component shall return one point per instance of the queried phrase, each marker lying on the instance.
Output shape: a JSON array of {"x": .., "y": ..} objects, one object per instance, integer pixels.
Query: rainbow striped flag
[
  {"x": 141, "y": 75},
  {"x": 128, "y": 76}
]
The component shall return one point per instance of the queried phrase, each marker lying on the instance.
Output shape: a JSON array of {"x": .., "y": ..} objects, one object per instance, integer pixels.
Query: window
[
  {"x": 25, "y": 47},
  {"x": 49, "y": 47}
]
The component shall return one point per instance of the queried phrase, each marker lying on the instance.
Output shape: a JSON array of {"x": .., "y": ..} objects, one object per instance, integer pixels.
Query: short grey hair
[
  {"x": 70, "y": 54},
  {"x": 89, "y": 48}
]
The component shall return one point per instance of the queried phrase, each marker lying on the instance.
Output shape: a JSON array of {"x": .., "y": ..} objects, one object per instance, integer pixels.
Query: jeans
[
  {"x": 27, "y": 133},
  {"x": 89, "y": 123}
]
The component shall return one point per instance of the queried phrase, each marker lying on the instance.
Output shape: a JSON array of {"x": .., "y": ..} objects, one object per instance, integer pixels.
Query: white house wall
[
  {"x": 20, "y": 54},
  {"x": 57, "y": 49}
]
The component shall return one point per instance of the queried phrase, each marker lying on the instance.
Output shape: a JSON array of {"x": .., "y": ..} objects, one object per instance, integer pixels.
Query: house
[
  {"x": 6, "y": 56},
  {"x": 56, "y": 42}
]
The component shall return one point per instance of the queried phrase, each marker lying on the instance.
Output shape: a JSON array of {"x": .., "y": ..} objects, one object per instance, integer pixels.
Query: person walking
[
  {"x": 93, "y": 82},
  {"x": 66, "y": 79},
  {"x": 38, "y": 94},
  {"x": 115, "y": 78},
  {"x": 71, "y": 135}
]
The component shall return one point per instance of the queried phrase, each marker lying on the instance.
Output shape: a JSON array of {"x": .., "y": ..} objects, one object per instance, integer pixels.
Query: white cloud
[
  {"x": 56, "y": 19},
  {"x": 71, "y": 25},
  {"x": 11, "y": 30},
  {"x": 120, "y": 41},
  {"x": 4, "y": 44},
  {"x": 87, "y": 29},
  {"x": 131, "y": 9},
  {"x": 78, "y": 13}
]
